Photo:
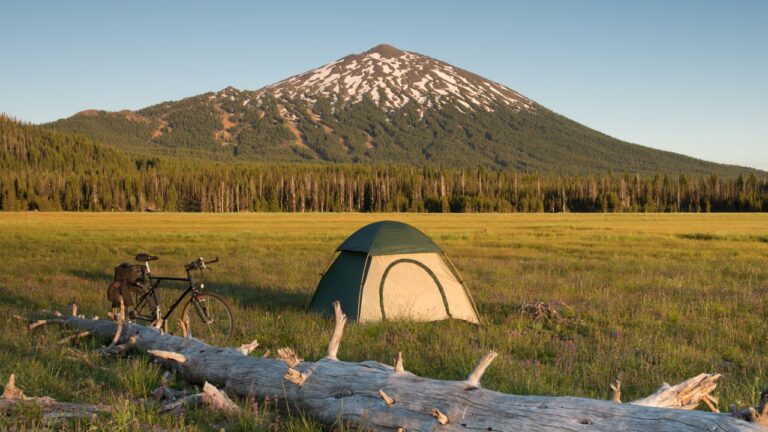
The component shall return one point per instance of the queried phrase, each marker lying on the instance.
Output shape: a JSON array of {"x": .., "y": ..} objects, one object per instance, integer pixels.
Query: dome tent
[{"x": 390, "y": 270}]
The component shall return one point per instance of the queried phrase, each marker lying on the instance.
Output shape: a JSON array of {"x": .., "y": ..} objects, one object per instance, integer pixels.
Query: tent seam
[{"x": 366, "y": 266}]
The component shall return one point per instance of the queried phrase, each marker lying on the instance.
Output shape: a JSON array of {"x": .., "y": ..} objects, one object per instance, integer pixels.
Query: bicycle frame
[{"x": 154, "y": 284}]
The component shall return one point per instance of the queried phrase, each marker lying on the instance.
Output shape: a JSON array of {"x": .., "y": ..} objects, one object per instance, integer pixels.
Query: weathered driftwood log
[
  {"x": 685, "y": 395},
  {"x": 214, "y": 398},
  {"x": 50, "y": 409},
  {"x": 383, "y": 398}
]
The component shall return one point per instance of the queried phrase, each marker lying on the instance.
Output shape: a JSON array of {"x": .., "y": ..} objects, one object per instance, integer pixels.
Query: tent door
[{"x": 409, "y": 289}]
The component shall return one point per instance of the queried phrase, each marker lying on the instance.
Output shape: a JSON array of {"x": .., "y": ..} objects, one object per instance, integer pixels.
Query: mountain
[
  {"x": 383, "y": 105},
  {"x": 392, "y": 78}
]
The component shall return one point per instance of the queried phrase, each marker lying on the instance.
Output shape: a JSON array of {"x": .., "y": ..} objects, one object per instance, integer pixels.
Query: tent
[{"x": 390, "y": 270}]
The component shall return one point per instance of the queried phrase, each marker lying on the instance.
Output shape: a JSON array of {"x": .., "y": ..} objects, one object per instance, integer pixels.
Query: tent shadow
[
  {"x": 267, "y": 298},
  {"x": 496, "y": 313}
]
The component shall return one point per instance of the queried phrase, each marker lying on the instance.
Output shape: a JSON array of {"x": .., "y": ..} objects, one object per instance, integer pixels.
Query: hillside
[
  {"x": 383, "y": 105},
  {"x": 27, "y": 147}
]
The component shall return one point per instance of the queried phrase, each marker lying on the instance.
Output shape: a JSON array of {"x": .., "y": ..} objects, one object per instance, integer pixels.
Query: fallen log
[
  {"x": 384, "y": 398},
  {"x": 51, "y": 410}
]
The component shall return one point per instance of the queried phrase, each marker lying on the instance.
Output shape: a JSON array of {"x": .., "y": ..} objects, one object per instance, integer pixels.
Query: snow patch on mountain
[{"x": 392, "y": 78}]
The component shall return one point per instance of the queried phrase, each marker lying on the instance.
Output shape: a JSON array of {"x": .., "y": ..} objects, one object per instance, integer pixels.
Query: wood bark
[{"x": 382, "y": 398}]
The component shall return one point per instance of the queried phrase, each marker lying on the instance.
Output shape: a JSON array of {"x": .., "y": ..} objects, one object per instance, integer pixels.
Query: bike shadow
[
  {"x": 268, "y": 298},
  {"x": 20, "y": 301}
]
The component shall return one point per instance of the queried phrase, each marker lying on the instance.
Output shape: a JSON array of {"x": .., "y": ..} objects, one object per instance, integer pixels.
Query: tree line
[
  {"x": 50, "y": 171},
  {"x": 195, "y": 187}
]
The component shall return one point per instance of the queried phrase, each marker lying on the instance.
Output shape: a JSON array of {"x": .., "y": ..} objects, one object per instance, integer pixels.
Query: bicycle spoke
[{"x": 209, "y": 318}]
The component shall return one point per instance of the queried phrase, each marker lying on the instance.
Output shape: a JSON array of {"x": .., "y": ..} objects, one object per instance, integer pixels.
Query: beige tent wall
[{"x": 410, "y": 292}]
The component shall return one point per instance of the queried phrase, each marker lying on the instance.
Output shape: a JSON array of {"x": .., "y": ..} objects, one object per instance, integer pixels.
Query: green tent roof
[{"x": 388, "y": 238}]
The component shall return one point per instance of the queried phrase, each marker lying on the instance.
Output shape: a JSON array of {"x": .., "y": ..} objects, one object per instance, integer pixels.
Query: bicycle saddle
[{"x": 142, "y": 257}]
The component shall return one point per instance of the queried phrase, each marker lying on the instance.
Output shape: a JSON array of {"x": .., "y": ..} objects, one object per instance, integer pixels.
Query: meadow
[{"x": 644, "y": 298}]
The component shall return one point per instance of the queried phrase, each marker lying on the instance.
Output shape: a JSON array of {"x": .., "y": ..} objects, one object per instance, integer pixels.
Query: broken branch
[
  {"x": 616, "y": 391},
  {"x": 399, "y": 363},
  {"x": 40, "y": 323},
  {"x": 473, "y": 380},
  {"x": 75, "y": 336},
  {"x": 288, "y": 356},
  {"x": 295, "y": 376},
  {"x": 168, "y": 355},
  {"x": 685, "y": 396},
  {"x": 441, "y": 418},
  {"x": 387, "y": 400},
  {"x": 338, "y": 331},
  {"x": 246, "y": 349}
]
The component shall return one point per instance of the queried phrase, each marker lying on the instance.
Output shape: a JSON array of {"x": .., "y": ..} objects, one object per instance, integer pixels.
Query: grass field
[{"x": 641, "y": 298}]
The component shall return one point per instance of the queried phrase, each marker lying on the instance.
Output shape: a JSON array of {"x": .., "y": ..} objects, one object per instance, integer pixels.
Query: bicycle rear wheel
[{"x": 209, "y": 318}]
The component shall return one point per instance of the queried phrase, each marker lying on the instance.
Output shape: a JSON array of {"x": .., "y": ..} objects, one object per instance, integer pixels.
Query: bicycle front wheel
[{"x": 209, "y": 318}]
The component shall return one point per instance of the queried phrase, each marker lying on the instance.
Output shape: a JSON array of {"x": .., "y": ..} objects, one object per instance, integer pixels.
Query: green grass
[{"x": 643, "y": 298}]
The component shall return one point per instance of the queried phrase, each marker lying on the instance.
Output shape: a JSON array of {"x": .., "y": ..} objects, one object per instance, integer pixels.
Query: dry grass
[{"x": 641, "y": 298}]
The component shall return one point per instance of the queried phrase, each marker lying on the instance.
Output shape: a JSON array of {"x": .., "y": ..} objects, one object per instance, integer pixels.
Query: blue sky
[{"x": 684, "y": 76}]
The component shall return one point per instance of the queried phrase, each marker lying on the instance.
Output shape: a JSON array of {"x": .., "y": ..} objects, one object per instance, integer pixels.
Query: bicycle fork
[{"x": 202, "y": 311}]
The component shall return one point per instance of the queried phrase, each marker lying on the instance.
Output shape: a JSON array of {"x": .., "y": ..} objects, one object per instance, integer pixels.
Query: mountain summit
[
  {"x": 392, "y": 78},
  {"x": 383, "y": 105}
]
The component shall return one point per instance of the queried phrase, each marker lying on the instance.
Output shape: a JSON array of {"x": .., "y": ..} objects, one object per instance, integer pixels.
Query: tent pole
[
  {"x": 320, "y": 276},
  {"x": 463, "y": 285}
]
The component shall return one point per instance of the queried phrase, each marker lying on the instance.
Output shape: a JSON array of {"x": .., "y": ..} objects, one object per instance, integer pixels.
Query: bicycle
[{"x": 206, "y": 316}]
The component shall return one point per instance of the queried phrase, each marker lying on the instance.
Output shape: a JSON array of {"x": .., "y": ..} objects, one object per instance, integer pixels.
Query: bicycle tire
[{"x": 218, "y": 310}]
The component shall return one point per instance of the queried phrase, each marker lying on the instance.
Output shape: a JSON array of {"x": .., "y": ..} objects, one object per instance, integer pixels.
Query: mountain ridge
[{"x": 382, "y": 105}]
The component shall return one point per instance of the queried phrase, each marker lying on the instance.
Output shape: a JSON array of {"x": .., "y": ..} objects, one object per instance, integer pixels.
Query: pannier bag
[
  {"x": 129, "y": 273},
  {"x": 126, "y": 284}
]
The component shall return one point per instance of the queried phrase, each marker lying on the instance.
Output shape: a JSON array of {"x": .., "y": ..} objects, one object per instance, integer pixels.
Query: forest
[{"x": 47, "y": 170}]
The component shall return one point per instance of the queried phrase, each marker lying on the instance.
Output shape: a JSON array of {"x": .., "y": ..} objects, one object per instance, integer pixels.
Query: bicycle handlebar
[{"x": 200, "y": 264}]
